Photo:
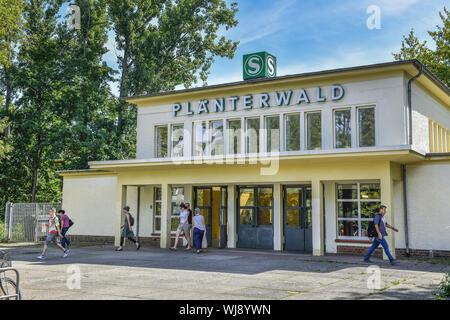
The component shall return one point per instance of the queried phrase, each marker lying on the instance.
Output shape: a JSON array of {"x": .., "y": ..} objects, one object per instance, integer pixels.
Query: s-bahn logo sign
[{"x": 259, "y": 65}]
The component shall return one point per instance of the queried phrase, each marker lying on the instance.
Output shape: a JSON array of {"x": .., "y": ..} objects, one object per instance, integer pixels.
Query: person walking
[
  {"x": 53, "y": 231},
  {"x": 127, "y": 231},
  {"x": 183, "y": 226},
  {"x": 190, "y": 216},
  {"x": 380, "y": 227},
  {"x": 199, "y": 229},
  {"x": 64, "y": 228}
]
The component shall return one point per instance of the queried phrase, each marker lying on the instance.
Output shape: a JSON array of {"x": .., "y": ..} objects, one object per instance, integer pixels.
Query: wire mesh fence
[{"x": 27, "y": 222}]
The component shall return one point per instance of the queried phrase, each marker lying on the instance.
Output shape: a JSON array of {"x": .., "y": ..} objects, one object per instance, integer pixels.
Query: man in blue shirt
[{"x": 380, "y": 226}]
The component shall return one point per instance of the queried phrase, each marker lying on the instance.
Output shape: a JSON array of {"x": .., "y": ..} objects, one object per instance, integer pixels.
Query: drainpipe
[
  {"x": 138, "y": 212},
  {"x": 410, "y": 104},
  {"x": 410, "y": 141}
]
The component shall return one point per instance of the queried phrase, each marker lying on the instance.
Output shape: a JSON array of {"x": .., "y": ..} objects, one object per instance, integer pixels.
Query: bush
[{"x": 443, "y": 291}]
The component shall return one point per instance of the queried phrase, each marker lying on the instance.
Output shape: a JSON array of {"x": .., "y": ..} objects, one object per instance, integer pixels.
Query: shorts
[
  {"x": 51, "y": 237},
  {"x": 185, "y": 228}
]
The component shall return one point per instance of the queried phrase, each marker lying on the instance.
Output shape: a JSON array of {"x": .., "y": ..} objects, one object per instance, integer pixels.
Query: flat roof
[{"x": 414, "y": 62}]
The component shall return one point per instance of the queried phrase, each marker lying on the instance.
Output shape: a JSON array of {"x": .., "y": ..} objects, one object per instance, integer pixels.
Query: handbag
[{"x": 204, "y": 241}]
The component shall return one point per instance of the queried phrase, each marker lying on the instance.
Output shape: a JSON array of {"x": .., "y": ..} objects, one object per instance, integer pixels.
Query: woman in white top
[
  {"x": 183, "y": 226},
  {"x": 198, "y": 222}
]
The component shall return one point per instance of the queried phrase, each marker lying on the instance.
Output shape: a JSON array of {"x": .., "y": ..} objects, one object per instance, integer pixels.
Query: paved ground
[{"x": 153, "y": 273}]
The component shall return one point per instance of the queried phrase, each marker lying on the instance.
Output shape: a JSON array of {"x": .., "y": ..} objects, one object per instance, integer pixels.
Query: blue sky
[{"x": 314, "y": 35}]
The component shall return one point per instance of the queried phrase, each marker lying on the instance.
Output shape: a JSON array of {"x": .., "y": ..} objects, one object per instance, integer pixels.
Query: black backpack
[
  {"x": 371, "y": 231},
  {"x": 131, "y": 220},
  {"x": 70, "y": 223}
]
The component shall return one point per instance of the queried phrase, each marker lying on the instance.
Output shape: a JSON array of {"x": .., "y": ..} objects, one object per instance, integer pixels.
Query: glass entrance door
[
  {"x": 297, "y": 218},
  {"x": 255, "y": 217},
  {"x": 203, "y": 200}
]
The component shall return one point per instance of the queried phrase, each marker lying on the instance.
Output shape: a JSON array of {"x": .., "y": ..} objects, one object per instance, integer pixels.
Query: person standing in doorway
[
  {"x": 64, "y": 228},
  {"x": 184, "y": 227},
  {"x": 53, "y": 231},
  {"x": 199, "y": 229},
  {"x": 190, "y": 217},
  {"x": 380, "y": 226},
  {"x": 127, "y": 231}
]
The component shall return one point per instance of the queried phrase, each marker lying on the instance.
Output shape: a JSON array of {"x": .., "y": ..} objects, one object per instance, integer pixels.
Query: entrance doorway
[
  {"x": 297, "y": 209},
  {"x": 255, "y": 217},
  {"x": 212, "y": 202}
]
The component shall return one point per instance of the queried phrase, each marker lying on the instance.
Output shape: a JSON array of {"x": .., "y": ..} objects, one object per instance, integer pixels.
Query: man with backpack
[
  {"x": 65, "y": 225},
  {"x": 128, "y": 230},
  {"x": 377, "y": 229}
]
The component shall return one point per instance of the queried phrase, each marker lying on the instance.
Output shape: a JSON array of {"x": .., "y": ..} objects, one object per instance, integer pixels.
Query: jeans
[
  {"x": 376, "y": 243},
  {"x": 129, "y": 238},
  {"x": 64, "y": 240},
  {"x": 198, "y": 237}
]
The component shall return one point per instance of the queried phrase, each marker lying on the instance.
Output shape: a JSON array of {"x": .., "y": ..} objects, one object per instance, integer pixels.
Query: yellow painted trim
[{"x": 86, "y": 174}]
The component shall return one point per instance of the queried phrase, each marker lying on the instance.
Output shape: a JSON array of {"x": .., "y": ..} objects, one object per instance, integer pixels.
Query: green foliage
[
  {"x": 57, "y": 111},
  {"x": 438, "y": 60},
  {"x": 2, "y": 228},
  {"x": 443, "y": 291}
]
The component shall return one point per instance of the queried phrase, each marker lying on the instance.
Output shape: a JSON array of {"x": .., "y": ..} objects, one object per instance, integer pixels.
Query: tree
[
  {"x": 165, "y": 43},
  {"x": 438, "y": 61},
  {"x": 89, "y": 111},
  {"x": 37, "y": 121}
]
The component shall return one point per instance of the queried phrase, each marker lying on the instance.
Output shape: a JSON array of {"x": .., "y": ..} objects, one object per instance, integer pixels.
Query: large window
[
  {"x": 234, "y": 136},
  {"x": 252, "y": 135},
  {"x": 177, "y": 140},
  {"x": 177, "y": 199},
  {"x": 342, "y": 127},
  {"x": 273, "y": 134},
  {"x": 200, "y": 139},
  {"x": 356, "y": 207},
  {"x": 366, "y": 127},
  {"x": 292, "y": 132},
  {"x": 217, "y": 143},
  {"x": 313, "y": 131},
  {"x": 162, "y": 135}
]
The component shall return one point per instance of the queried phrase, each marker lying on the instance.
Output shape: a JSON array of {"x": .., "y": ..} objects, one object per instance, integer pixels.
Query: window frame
[
  {"x": 358, "y": 137},
  {"x": 350, "y": 109},
  {"x": 156, "y": 141},
  {"x": 306, "y": 129},
  {"x": 258, "y": 135},
  {"x": 172, "y": 125},
  {"x": 285, "y": 115},
  {"x": 357, "y": 200}
]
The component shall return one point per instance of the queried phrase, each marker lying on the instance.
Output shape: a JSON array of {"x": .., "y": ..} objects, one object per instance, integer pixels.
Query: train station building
[{"x": 294, "y": 163}]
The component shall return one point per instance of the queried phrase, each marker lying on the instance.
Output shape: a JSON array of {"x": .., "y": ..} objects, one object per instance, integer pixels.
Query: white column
[
  {"x": 166, "y": 197},
  {"x": 121, "y": 199},
  {"x": 277, "y": 218},
  {"x": 232, "y": 230},
  {"x": 317, "y": 218}
]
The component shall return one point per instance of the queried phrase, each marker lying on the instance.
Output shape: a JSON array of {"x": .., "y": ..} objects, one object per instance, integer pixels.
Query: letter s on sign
[
  {"x": 254, "y": 65},
  {"x": 271, "y": 66}
]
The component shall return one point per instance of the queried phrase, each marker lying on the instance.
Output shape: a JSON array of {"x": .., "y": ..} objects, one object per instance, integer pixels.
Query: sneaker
[
  {"x": 66, "y": 253},
  {"x": 394, "y": 262},
  {"x": 41, "y": 257}
]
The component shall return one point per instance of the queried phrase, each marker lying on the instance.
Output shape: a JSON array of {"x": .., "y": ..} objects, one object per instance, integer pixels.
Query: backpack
[
  {"x": 131, "y": 220},
  {"x": 70, "y": 223},
  {"x": 371, "y": 231},
  {"x": 190, "y": 217}
]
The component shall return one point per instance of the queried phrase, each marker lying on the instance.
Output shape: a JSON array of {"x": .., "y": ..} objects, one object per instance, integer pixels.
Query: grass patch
[{"x": 443, "y": 292}]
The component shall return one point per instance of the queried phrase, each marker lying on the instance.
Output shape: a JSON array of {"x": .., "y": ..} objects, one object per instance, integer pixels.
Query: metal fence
[{"x": 27, "y": 222}]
